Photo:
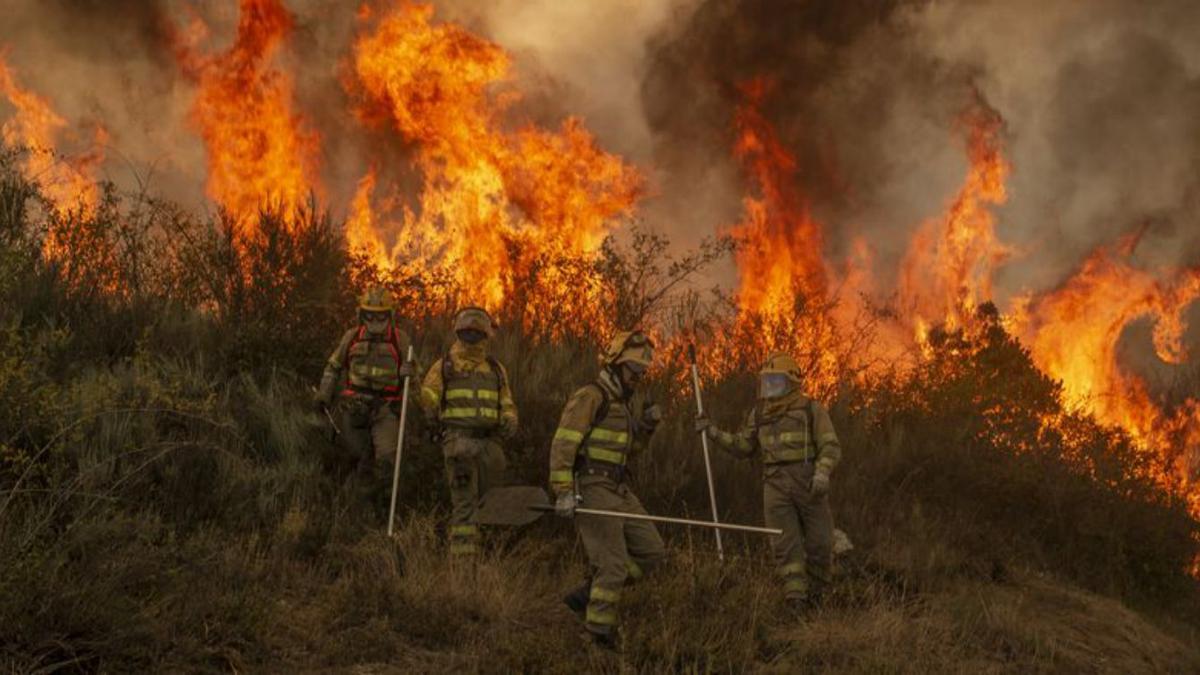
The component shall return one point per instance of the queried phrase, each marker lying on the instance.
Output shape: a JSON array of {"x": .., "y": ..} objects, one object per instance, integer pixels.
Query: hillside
[{"x": 169, "y": 502}]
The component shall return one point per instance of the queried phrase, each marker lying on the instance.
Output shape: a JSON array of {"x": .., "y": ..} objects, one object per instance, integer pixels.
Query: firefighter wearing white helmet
[
  {"x": 799, "y": 451},
  {"x": 601, "y": 425},
  {"x": 467, "y": 394},
  {"x": 364, "y": 376}
]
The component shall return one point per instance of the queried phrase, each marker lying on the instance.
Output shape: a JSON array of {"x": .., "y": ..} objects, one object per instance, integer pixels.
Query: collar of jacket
[
  {"x": 793, "y": 400},
  {"x": 467, "y": 357},
  {"x": 608, "y": 381}
]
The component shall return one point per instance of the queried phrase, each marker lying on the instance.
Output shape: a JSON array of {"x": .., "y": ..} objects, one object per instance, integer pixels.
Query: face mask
[
  {"x": 633, "y": 373},
  {"x": 774, "y": 385},
  {"x": 376, "y": 322},
  {"x": 472, "y": 337}
]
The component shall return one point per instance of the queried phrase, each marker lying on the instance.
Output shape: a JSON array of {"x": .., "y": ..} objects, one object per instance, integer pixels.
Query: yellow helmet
[
  {"x": 376, "y": 299},
  {"x": 474, "y": 318},
  {"x": 627, "y": 347},
  {"x": 783, "y": 363}
]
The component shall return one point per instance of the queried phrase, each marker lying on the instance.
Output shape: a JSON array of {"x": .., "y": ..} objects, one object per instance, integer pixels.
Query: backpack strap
[
  {"x": 600, "y": 414},
  {"x": 447, "y": 371},
  {"x": 499, "y": 373}
]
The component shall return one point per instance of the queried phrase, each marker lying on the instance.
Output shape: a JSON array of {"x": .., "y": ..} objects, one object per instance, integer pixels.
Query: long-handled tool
[
  {"x": 664, "y": 519},
  {"x": 517, "y": 505},
  {"x": 399, "y": 446},
  {"x": 712, "y": 494}
]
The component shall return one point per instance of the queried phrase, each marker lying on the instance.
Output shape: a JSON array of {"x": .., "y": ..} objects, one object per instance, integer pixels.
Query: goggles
[
  {"x": 774, "y": 385},
  {"x": 635, "y": 367},
  {"x": 471, "y": 336},
  {"x": 371, "y": 315}
]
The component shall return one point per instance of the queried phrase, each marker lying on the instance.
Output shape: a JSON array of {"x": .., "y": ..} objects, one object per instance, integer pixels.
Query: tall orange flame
[
  {"x": 783, "y": 283},
  {"x": 494, "y": 203},
  {"x": 70, "y": 184},
  {"x": 948, "y": 269},
  {"x": 260, "y": 150}
]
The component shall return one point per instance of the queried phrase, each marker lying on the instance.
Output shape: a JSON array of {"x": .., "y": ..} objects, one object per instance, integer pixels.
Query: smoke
[
  {"x": 1101, "y": 101},
  {"x": 109, "y": 64}
]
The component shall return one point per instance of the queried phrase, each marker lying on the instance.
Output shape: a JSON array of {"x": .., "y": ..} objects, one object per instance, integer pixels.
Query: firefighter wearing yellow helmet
[
  {"x": 799, "y": 451},
  {"x": 600, "y": 426},
  {"x": 467, "y": 394},
  {"x": 364, "y": 376}
]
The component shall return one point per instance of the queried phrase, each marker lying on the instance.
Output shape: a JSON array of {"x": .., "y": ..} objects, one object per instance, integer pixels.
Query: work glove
[
  {"x": 320, "y": 406},
  {"x": 820, "y": 483},
  {"x": 408, "y": 369},
  {"x": 565, "y": 505},
  {"x": 702, "y": 424},
  {"x": 651, "y": 417},
  {"x": 508, "y": 426}
]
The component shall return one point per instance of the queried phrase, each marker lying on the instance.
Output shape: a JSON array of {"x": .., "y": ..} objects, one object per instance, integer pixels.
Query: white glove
[
  {"x": 820, "y": 484},
  {"x": 565, "y": 506}
]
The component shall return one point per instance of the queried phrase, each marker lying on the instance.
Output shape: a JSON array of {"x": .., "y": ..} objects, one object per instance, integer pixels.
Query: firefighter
[
  {"x": 364, "y": 376},
  {"x": 589, "y": 458},
  {"x": 799, "y": 451},
  {"x": 467, "y": 395}
]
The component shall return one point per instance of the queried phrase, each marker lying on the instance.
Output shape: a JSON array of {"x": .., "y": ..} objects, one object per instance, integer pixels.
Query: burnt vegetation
[{"x": 168, "y": 502}]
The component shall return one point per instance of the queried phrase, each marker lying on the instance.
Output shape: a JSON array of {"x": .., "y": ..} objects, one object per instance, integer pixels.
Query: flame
[
  {"x": 1073, "y": 333},
  {"x": 260, "y": 151},
  {"x": 947, "y": 272},
  {"x": 782, "y": 280},
  {"x": 496, "y": 206},
  {"x": 69, "y": 184}
]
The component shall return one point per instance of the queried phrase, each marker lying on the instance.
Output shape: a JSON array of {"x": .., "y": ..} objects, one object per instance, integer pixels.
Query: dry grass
[{"x": 167, "y": 503}]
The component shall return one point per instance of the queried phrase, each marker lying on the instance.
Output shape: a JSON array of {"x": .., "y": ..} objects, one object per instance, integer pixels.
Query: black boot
[
  {"x": 610, "y": 640},
  {"x": 577, "y": 600}
]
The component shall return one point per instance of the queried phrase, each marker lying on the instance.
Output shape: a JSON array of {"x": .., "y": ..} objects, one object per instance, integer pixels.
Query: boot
[
  {"x": 577, "y": 600},
  {"x": 610, "y": 640}
]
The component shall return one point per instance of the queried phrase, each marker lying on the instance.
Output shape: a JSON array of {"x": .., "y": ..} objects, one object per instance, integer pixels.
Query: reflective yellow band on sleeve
[
  {"x": 561, "y": 477},
  {"x": 610, "y": 456},
  {"x": 829, "y": 437},
  {"x": 571, "y": 435},
  {"x": 605, "y": 595}
]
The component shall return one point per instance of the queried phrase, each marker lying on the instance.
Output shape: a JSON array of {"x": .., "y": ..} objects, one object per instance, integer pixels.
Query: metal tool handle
[
  {"x": 399, "y": 447},
  {"x": 712, "y": 494},
  {"x": 664, "y": 519}
]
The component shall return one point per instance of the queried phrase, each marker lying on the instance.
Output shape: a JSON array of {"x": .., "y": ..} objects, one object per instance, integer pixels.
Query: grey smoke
[{"x": 1101, "y": 100}]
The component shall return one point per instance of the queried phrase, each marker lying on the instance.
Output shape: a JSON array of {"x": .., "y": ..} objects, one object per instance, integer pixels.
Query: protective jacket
[
  {"x": 469, "y": 390},
  {"x": 365, "y": 365},
  {"x": 794, "y": 429},
  {"x": 596, "y": 434}
]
